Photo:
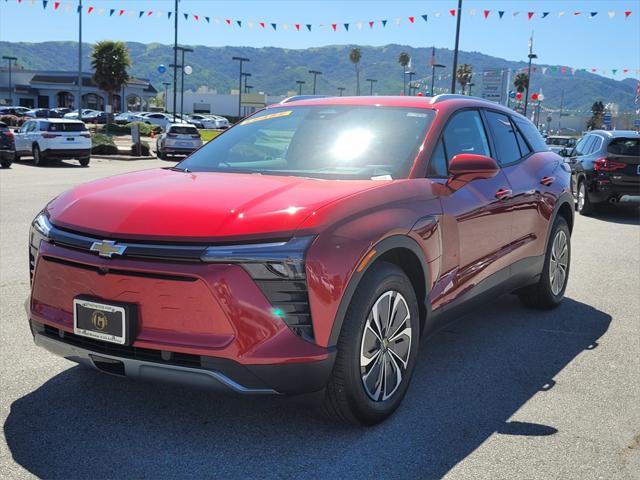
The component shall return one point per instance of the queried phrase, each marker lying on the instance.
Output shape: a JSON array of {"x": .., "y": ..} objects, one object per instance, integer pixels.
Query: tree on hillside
[
  {"x": 597, "y": 115},
  {"x": 110, "y": 61},
  {"x": 520, "y": 82},
  {"x": 464, "y": 73},
  {"x": 404, "y": 60},
  {"x": 355, "y": 55}
]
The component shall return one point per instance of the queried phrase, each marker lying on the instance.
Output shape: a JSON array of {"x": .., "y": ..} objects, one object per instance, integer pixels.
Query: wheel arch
[
  {"x": 563, "y": 207},
  {"x": 399, "y": 250}
]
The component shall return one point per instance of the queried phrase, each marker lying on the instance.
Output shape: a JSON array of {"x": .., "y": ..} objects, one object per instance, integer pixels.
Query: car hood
[{"x": 164, "y": 204}]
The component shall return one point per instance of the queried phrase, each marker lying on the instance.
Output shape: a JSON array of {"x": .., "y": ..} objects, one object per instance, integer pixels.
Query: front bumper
[{"x": 211, "y": 373}]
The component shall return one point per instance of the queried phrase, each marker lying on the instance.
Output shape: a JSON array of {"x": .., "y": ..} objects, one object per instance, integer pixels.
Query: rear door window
[
  {"x": 596, "y": 145},
  {"x": 504, "y": 138},
  {"x": 584, "y": 146}
]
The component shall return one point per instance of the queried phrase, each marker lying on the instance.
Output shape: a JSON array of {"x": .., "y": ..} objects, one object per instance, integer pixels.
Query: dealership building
[{"x": 51, "y": 89}]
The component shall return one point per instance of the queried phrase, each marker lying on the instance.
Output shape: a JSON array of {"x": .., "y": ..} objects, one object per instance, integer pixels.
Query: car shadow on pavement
[
  {"x": 50, "y": 164},
  {"x": 626, "y": 212},
  {"x": 470, "y": 379}
]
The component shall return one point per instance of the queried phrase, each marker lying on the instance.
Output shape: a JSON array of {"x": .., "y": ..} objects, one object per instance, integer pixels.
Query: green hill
[{"x": 275, "y": 70}]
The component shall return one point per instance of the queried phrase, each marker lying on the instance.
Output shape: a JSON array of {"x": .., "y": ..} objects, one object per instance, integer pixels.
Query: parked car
[
  {"x": 160, "y": 119},
  {"x": 86, "y": 113},
  {"x": 42, "y": 113},
  {"x": 7, "y": 146},
  {"x": 54, "y": 138},
  {"x": 61, "y": 111},
  {"x": 561, "y": 144},
  {"x": 210, "y": 121},
  {"x": 17, "y": 111},
  {"x": 605, "y": 166},
  {"x": 126, "y": 117},
  {"x": 178, "y": 139},
  {"x": 312, "y": 246}
]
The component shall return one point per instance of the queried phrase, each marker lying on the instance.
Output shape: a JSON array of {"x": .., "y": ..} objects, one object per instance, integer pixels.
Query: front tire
[
  {"x": 549, "y": 291},
  {"x": 584, "y": 206},
  {"x": 377, "y": 349}
]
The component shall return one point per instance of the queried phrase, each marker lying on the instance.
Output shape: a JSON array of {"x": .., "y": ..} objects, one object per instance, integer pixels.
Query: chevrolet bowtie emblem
[{"x": 107, "y": 248}]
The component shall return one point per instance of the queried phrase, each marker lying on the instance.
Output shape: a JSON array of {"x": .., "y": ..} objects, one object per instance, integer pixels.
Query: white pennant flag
[
  {"x": 101, "y": 11},
  {"x": 437, "y": 14},
  {"x": 611, "y": 14},
  {"x": 359, "y": 25},
  {"x": 397, "y": 21},
  {"x": 561, "y": 14},
  {"x": 250, "y": 24},
  {"x": 472, "y": 12}
]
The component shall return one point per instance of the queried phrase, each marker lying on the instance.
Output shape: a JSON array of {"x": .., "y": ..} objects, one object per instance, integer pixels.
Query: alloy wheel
[
  {"x": 582, "y": 193},
  {"x": 559, "y": 262},
  {"x": 385, "y": 346}
]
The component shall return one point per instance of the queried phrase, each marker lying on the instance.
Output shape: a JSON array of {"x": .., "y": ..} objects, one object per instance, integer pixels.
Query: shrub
[
  {"x": 115, "y": 129},
  {"x": 10, "y": 120},
  {"x": 145, "y": 129},
  {"x": 144, "y": 149},
  {"x": 102, "y": 144}
]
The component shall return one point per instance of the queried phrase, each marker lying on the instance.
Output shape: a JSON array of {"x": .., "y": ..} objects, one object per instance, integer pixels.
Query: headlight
[
  {"x": 277, "y": 268},
  {"x": 264, "y": 260},
  {"x": 40, "y": 228}
]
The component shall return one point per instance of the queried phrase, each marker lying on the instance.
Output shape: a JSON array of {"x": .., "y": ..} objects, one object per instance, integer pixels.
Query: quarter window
[
  {"x": 584, "y": 146},
  {"x": 465, "y": 134},
  {"x": 504, "y": 138},
  {"x": 531, "y": 133},
  {"x": 438, "y": 162}
]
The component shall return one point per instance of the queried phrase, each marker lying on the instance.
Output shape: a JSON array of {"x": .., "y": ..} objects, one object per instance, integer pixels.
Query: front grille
[
  {"x": 291, "y": 302},
  {"x": 33, "y": 253},
  {"x": 126, "y": 351}
]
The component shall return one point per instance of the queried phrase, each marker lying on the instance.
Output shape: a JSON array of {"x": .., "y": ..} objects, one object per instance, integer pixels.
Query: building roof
[{"x": 71, "y": 78}]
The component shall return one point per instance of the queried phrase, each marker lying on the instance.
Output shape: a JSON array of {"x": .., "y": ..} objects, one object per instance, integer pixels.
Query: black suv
[
  {"x": 605, "y": 165},
  {"x": 7, "y": 146}
]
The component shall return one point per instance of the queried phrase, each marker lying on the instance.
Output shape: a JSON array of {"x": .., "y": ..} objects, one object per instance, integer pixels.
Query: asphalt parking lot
[{"x": 503, "y": 393}]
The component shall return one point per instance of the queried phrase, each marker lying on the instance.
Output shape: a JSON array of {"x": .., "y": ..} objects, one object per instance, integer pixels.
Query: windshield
[
  {"x": 334, "y": 141},
  {"x": 625, "y": 146}
]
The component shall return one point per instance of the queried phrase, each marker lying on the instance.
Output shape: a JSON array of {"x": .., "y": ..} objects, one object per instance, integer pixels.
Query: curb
[{"x": 121, "y": 157}]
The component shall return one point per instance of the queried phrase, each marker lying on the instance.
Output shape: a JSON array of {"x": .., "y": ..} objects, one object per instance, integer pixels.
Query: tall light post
[
  {"x": 371, "y": 82},
  {"x": 246, "y": 76},
  {"x": 183, "y": 50},
  {"x": 241, "y": 60},
  {"x": 531, "y": 57},
  {"x": 175, "y": 58},
  {"x": 300, "y": 83},
  {"x": 470, "y": 84},
  {"x": 247, "y": 88},
  {"x": 433, "y": 74},
  {"x": 10, "y": 60},
  {"x": 341, "y": 90},
  {"x": 411, "y": 74},
  {"x": 315, "y": 74},
  {"x": 166, "y": 92},
  {"x": 455, "y": 51},
  {"x": 79, "y": 104}
]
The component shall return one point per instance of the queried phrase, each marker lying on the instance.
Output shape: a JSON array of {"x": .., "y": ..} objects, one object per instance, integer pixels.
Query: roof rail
[{"x": 447, "y": 96}]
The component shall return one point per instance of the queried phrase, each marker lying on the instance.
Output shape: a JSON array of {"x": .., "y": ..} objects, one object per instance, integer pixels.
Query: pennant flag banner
[{"x": 487, "y": 14}]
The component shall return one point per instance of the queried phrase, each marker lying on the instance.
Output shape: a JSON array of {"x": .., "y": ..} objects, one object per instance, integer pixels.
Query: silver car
[{"x": 178, "y": 139}]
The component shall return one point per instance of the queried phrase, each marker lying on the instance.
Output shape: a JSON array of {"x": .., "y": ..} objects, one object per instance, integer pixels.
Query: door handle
[
  {"x": 503, "y": 193},
  {"x": 547, "y": 181}
]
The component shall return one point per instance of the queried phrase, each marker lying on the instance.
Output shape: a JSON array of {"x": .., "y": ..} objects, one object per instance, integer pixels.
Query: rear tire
[
  {"x": 375, "y": 356},
  {"x": 549, "y": 291},
  {"x": 584, "y": 205},
  {"x": 84, "y": 162},
  {"x": 6, "y": 163},
  {"x": 38, "y": 159}
]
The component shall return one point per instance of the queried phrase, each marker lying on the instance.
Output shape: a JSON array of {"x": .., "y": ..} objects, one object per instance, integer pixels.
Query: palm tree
[
  {"x": 464, "y": 74},
  {"x": 110, "y": 60},
  {"x": 404, "y": 60},
  {"x": 355, "y": 55},
  {"x": 521, "y": 82}
]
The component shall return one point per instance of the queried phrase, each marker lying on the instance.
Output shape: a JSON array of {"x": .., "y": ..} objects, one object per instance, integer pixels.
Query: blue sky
[{"x": 575, "y": 41}]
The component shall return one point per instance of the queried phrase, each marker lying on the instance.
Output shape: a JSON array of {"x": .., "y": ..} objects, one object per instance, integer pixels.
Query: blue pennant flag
[
  {"x": 544, "y": 14},
  {"x": 207, "y": 19},
  {"x": 239, "y": 22},
  {"x": 141, "y": 13},
  {"x": 500, "y": 13},
  {"x": 309, "y": 26},
  {"x": 168, "y": 14},
  {"x": 384, "y": 23},
  {"x": 274, "y": 26},
  {"x": 44, "y": 3},
  {"x": 425, "y": 17},
  {"x": 346, "y": 27},
  {"x": 111, "y": 12},
  {"x": 593, "y": 14},
  {"x": 186, "y": 16}
]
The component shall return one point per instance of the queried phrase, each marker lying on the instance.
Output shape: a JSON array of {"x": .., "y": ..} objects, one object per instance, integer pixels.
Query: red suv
[{"x": 312, "y": 246}]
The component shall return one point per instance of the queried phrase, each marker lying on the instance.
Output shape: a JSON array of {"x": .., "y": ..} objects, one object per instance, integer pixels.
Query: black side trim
[{"x": 390, "y": 243}]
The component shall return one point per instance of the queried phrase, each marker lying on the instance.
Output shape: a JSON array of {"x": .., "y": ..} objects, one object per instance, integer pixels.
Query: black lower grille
[
  {"x": 126, "y": 351},
  {"x": 291, "y": 301}
]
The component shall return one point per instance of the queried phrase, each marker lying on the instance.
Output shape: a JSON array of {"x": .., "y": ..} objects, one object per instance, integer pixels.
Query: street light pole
[
  {"x": 79, "y": 59},
  {"x": 433, "y": 75},
  {"x": 175, "y": 59},
  {"x": 181, "y": 66},
  {"x": 561, "y": 107},
  {"x": 300, "y": 83},
  {"x": 455, "y": 51},
  {"x": 340, "y": 90},
  {"x": 246, "y": 76},
  {"x": 241, "y": 60},
  {"x": 531, "y": 57},
  {"x": 371, "y": 82},
  {"x": 166, "y": 92},
  {"x": 411, "y": 74},
  {"x": 10, "y": 60},
  {"x": 315, "y": 73}
]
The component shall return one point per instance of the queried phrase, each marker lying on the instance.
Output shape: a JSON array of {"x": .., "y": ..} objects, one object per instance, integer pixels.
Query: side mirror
[{"x": 466, "y": 167}]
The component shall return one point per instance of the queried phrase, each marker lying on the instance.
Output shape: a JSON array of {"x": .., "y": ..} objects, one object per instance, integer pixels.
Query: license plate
[
  {"x": 100, "y": 321},
  {"x": 70, "y": 139},
  {"x": 183, "y": 144}
]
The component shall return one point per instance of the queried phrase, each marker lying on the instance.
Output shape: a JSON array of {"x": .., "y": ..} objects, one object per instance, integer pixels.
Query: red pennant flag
[
  {"x": 530, "y": 15},
  {"x": 563, "y": 69},
  {"x": 297, "y": 26},
  {"x": 411, "y": 19},
  {"x": 121, "y": 12},
  {"x": 56, "y": 5},
  {"x": 334, "y": 26},
  {"x": 228, "y": 21},
  {"x": 627, "y": 13},
  {"x": 594, "y": 70},
  {"x": 89, "y": 10},
  {"x": 149, "y": 13},
  {"x": 486, "y": 13},
  {"x": 625, "y": 70},
  {"x": 371, "y": 24},
  {"x": 262, "y": 24},
  {"x": 575, "y": 14},
  {"x": 196, "y": 17},
  {"x": 452, "y": 12}
]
